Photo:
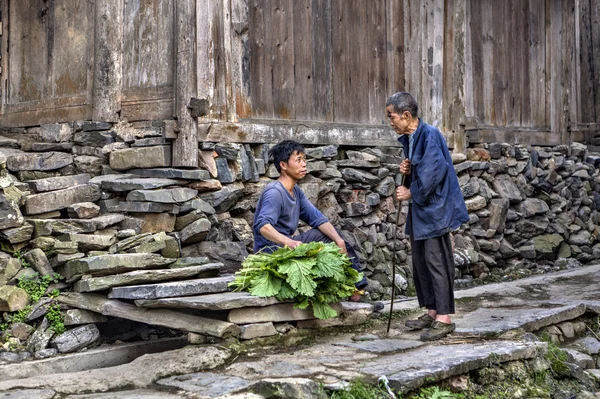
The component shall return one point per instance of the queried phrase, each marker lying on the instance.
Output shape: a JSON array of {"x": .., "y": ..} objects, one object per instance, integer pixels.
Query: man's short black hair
[
  {"x": 283, "y": 151},
  {"x": 403, "y": 101}
]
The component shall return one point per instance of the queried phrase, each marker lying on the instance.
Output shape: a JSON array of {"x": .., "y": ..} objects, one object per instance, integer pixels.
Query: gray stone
[
  {"x": 580, "y": 359},
  {"x": 587, "y": 345},
  {"x": 161, "y": 317},
  {"x": 55, "y": 200},
  {"x": 45, "y": 353},
  {"x": 111, "y": 264},
  {"x": 504, "y": 185},
  {"x": 58, "y": 183},
  {"x": 222, "y": 301},
  {"x": 73, "y": 317},
  {"x": 498, "y": 211},
  {"x": 283, "y": 388},
  {"x": 547, "y": 246},
  {"x": 208, "y": 385},
  {"x": 92, "y": 284},
  {"x": 38, "y": 161},
  {"x": 533, "y": 206},
  {"x": 190, "y": 261},
  {"x": 582, "y": 237},
  {"x": 21, "y": 331},
  {"x": 475, "y": 203},
  {"x": 355, "y": 175},
  {"x": 28, "y": 394},
  {"x": 172, "y": 289},
  {"x": 83, "y": 210},
  {"x": 386, "y": 187},
  {"x": 351, "y": 209},
  {"x": 90, "y": 242},
  {"x": 170, "y": 173},
  {"x": 8, "y": 269},
  {"x": 61, "y": 259},
  {"x": 150, "y": 141},
  {"x": 16, "y": 235},
  {"x": 141, "y": 157},
  {"x": 40, "y": 338},
  {"x": 38, "y": 260},
  {"x": 226, "y": 198},
  {"x": 484, "y": 322},
  {"x": 9, "y": 209},
  {"x": 406, "y": 373},
  {"x": 165, "y": 196},
  {"x": 257, "y": 330},
  {"x": 76, "y": 339},
  {"x": 274, "y": 313},
  {"x": 132, "y": 394},
  {"x": 383, "y": 346},
  {"x": 231, "y": 254},
  {"x": 224, "y": 173},
  {"x": 67, "y": 226},
  {"x": 197, "y": 205},
  {"x": 129, "y": 184},
  {"x": 195, "y": 231},
  {"x": 182, "y": 221},
  {"x": 144, "y": 207}
]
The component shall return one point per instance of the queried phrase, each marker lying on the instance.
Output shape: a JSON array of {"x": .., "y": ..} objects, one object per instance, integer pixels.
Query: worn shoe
[
  {"x": 437, "y": 330},
  {"x": 420, "y": 323}
]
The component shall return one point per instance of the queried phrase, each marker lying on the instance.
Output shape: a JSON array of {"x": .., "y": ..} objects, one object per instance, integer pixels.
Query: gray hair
[{"x": 403, "y": 101}]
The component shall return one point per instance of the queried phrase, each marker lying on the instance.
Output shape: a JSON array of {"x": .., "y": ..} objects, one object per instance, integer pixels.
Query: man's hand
[
  {"x": 405, "y": 167},
  {"x": 342, "y": 245},
  {"x": 403, "y": 193},
  {"x": 292, "y": 243}
]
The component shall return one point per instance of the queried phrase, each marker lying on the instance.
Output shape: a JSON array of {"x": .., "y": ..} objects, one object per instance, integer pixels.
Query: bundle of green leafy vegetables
[{"x": 313, "y": 274}]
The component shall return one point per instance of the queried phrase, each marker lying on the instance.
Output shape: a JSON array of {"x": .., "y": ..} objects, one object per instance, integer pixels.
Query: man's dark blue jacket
[{"x": 438, "y": 206}]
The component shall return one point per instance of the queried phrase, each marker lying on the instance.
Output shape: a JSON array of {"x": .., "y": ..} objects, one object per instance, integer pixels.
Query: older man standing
[{"x": 436, "y": 208}]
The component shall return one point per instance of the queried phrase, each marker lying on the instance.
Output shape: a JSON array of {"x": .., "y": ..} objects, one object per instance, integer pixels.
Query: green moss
[{"x": 361, "y": 390}]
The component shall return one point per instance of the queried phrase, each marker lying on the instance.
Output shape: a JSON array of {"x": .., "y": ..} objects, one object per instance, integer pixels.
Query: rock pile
[{"x": 134, "y": 237}]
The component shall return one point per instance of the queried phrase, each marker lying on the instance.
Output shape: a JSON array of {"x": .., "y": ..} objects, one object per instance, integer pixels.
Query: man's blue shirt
[{"x": 277, "y": 207}]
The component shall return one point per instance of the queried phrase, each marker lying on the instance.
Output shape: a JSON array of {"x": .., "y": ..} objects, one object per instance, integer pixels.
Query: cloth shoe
[
  {"x": 420, "y": 323},
  {"x": 437, "y": 330}
]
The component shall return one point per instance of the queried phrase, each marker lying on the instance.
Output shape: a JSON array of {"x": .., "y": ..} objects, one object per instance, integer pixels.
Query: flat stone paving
[{"x": 206, "y": 385}]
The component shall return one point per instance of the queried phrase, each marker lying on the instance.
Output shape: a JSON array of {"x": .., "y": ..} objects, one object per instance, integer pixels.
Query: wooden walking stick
[{"x": 394, "y": 259}]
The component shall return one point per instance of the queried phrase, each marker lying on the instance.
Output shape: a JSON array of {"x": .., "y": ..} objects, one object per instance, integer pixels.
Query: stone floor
[{"x": 487, "y": 317}]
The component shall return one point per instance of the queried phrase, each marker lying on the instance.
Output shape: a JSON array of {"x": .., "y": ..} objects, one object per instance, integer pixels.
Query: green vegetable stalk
[{"x": 313, "y": 274}]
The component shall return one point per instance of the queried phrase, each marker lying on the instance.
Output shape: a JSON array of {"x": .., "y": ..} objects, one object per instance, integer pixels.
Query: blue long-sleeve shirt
[
  {"x": 283, "y": 211},
  {"x": 437, "y": 202}
]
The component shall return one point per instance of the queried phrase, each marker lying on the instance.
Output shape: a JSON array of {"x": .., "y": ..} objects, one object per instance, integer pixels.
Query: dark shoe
[
  {"x": 357, "y": 295},
  {"x": 420, "y": 323},
  {"x": 437, "y": 330}
]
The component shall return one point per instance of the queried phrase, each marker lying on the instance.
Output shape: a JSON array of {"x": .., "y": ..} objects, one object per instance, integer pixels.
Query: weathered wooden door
[{"x": 46, "y": 61}]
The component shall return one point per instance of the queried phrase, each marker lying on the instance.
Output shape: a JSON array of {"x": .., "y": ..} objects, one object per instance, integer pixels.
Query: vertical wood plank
[
  {"x": 376, "y": 60},
  {"x": 205, "y": 57},
  {"x": 395, "y": 46},
  {"x": 322, "y": 59},
  {"x": 468, "y": 72},
  {"x": 108, "y": 60},
  {"x": 437, "y": 77},
  {"x": 595, "y": 17},
  {"x": 586, "y": 88},
  {"x": 4, "y": 53},
  {"x": 477, "y": 56},
  {"x": 260, "y": 58},
  {"x": 303, "y": 55},
  {"x": 555, "y": 54},
  {"x": 489, "y": 37},
  {"x": 426, "y": 65},
  {"x": 240, "y": 80},
  {"x": 282, "y": 45},
  {"x": 185, "y": 147},
  {"x": 537, "y": 63},
  {"x": 569, "y": 71},
  {"x": 576, "y": 95},
  {"x": 341, "y": 64},
  {"x": 413, "y": 27},
  {"x": 499, "y": 65}
]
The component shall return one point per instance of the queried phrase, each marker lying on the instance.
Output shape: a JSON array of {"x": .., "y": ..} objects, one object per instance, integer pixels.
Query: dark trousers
[
  {"x": 433, "y": 273},
  {"x": 316, "y": 235}
]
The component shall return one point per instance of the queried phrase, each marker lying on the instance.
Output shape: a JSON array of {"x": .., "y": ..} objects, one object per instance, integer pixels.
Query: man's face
[
  {"x": 398, "y": 122},
  {"x": 295, "y": 167}
]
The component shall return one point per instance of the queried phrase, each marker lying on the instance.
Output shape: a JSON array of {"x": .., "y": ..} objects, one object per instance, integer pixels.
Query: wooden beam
[
  {"x": 185, "y": 147},
  {"x": 304, "y": 132},
  {"x": 518, "y": 136},
  {"x": 108, "y": 60}
]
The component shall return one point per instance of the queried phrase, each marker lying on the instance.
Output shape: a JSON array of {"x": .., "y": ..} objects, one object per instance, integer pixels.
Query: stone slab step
[
  {"x": 111, "y": 264},
  {"x": 158, "y": 317},
  {"x": 222, "y": 301},
  {"x": 429, "y": 364},
  {"x": 172, "y": 289},
  {"x": 133, "y": 394},
  {"x": 171, "y": 173},
  {"x": 58, "y": 183},
  {"x": 60, "y": 199},
  {"x": 495, "y": 321},
  {"x": 208, "y": 385},
  {"x": 383, "y": 346},
  {"x": 88, "y": 283}
]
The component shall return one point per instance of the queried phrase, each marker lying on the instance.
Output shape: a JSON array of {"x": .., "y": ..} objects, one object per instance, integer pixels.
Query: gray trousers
[{"x": 433, "y": 273}]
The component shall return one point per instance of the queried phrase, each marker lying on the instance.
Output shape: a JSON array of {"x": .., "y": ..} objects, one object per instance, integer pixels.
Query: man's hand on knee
[
  {"x": 342, "y": 245},
  {"x": 290, "y": 243}
]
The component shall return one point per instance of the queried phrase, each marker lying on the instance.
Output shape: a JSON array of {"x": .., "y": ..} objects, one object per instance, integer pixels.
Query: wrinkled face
[
  {"x": 398, "y": 122},
  {"x": 295, "y": 167}
]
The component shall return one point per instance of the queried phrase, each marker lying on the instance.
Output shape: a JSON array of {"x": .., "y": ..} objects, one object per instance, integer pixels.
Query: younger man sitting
[{"x": 282, "y": 204}]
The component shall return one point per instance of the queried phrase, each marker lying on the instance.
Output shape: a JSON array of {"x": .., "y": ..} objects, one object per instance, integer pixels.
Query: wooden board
[{"x": 322, "y": 60}]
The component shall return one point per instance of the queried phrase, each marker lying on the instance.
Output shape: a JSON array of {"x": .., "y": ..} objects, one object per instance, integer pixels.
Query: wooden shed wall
[{"x": 510, "y": 70}]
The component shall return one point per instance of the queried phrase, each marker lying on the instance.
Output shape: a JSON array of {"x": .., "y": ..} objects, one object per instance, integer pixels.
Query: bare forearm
[
  {"x": 331, "y": 232},
  {"x": 269, "y": 232}
]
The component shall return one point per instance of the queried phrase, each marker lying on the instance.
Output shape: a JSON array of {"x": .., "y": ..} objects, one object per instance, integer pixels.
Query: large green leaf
[
  {"x": 330, "y": 265},
  {"x": 323, "y": 310},
  {"x": 286, "y": 292},
  {"x": 265, "y": 285},
  {"x": 299, "y": 275}
]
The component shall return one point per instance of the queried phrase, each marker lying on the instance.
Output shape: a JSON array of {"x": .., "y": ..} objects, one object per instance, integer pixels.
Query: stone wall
[{"x": 81, "y": 189}]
